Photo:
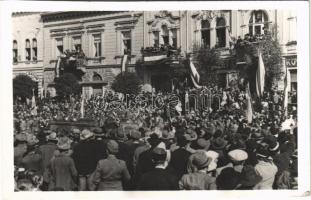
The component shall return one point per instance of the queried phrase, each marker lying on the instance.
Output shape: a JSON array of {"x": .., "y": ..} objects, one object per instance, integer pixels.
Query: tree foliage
[
  {"x": 126, "y": 83},
  {"x": 23, "y": 86},
  {"x": 268, "y": 44},
  {"x": 206, "y": 58},
  {"x": 66, "y": 85}
]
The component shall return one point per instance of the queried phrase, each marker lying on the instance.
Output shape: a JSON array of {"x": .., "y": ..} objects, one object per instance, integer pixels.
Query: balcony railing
[{"x": 159, "y": 53}]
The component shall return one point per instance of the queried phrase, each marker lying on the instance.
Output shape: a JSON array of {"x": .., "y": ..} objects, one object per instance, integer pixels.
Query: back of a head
[
  {"x": 112, "y": 147},
  {"x": 158, "y": 155}
]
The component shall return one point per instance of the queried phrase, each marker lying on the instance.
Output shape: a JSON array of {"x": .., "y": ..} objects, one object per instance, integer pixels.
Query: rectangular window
[
  {"x": 156, "y": 38},
  {"x": 97, "y": 45},
  {"x": 34, "y": 50},
  {"x": 59, "y": 46},
  {"x": 166, "y": 39},
  {"x": 15, "y": 52},
  {"x": 205, "y": 37},
  {"x": 221, "y": 37},
  {"x": 258, "y": 30},
  {"x": 28, "y": 52},
  {"x": 127, "y": 42},
  {"x": 76, "y": 43},
  {"x": 174, "y": 38},
  {"x": 251, "y": 30}
]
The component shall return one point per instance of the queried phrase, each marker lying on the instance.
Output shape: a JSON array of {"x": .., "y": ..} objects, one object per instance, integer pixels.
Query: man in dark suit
[
  {"x": 145, "y": 163},
  {"x": 159, "y": 178},
  {"x": 180, "y": 157}
]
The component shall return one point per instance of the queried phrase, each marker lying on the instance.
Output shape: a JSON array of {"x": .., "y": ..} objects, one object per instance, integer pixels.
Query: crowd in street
[{"x": 175, "y": 146}]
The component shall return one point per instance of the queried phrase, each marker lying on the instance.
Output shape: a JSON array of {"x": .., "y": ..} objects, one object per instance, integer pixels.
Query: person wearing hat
[
  {"x": 85, "y": 161},
  {"x": 144, "y": 163},
  {"x": 198, "y": 178},
  {"x": 228, "y": 179},
  {"x": 179, "y": 157},
  {"x": 100, "y": 144},
  {"x": 131, "y": 145},
  {"x": 111, "y": 172},
  {"x": 159, "y": 178},
  {"x": 32, "y": 159},
  {"x": 218, "y": 145},
  {"x": 265, "y": 168},
  {"x": 75, "y": 135},
  {"x": 62, "y": 168},
  {"x": 20, "y": 148},
  {"x": 249, "y": 178},
  {"x": 238, "y": 157},
  {"x": 47, "y": 151}
]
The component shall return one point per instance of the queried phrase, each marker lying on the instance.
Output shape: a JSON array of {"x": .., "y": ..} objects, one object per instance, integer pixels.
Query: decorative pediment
[
  {"x": 208, "y": 14},
  {"x": 165, "y": 14},
  {"x": 164, "y": 18}
]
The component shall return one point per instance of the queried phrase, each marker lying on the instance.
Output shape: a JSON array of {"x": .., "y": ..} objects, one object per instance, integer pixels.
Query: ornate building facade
[
  {"x": 28, "y": 46},
  {"x": 105, "y": 37}
]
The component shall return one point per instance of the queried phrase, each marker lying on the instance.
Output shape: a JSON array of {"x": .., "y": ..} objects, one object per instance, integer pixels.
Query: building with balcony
[
  {"x": 155, "y": 41},
  {"x": 28, "y": 46}
]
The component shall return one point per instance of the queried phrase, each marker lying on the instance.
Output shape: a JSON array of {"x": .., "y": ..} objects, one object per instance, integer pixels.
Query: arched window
[
  {"x": 97, "y": 77},
  {"x": 28, "y": 50},
  {"x": 221, "y": 32},
  {"x": 15, "y": 51},
  {"x": 97, "y": 88},
  {"x": 205, "y": 33},
  {"x": 165, "y": 35},
  {"x": 258, "y": 23},
  {"x": 34, "y": 49}
]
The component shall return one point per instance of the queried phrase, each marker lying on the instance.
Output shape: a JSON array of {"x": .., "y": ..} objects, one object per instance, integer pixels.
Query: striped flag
[
  {"x": 82, "y": 107},
  {"x": 33, "y": 104},
  {"x": 123, "y": 63},
  {"x": 260, "y": 76},
  {"x": 287, "y": 83},
  {"x": 249, "y": 109},
  {"x": 57, "y": 67},
  {"x": 194, "y": 72},
  {"x": 194, "y": 75}
]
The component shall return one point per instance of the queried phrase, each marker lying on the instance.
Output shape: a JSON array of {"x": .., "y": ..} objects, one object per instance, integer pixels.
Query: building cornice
[
  {"x": 84, "y": 21},
  {"x": 55, "y": 16}
]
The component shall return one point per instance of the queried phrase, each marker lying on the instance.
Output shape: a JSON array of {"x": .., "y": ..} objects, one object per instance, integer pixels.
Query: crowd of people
[{"x": 175, "y": 146}]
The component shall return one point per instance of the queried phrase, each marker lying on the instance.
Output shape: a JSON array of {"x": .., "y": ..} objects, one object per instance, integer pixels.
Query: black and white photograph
[{"x": 155, "y": 100}]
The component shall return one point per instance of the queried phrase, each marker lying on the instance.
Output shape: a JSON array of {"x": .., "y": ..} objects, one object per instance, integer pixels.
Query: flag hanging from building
[
  {"x": 57, "y": 67},
  {"x": 82, "y": 107},
  {"x": 194, "y": 75},
  {"x": 123, "y": 63},
  {"x": 260, "y": 76},
  {"x": 33, "y": 104},
  {"x": 287, "y": 84},
  {"x": 194, "y": 72},
  {"x": 249, "y": 108}
]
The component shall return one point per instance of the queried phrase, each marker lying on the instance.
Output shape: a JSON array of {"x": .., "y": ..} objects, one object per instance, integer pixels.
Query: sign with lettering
[{"x": 291, "y": 61}]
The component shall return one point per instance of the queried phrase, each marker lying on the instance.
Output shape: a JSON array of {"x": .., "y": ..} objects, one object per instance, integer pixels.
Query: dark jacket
[
  {"x": 179, "y": 161},
  {"x": 100, "y": 150},
  {"x": 158, "y": 179},
  {"x": 145, "y": 163},
  {"x": 83, "y": 156}
]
